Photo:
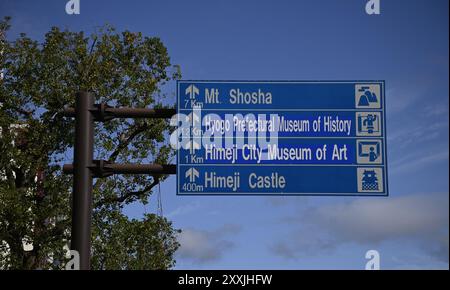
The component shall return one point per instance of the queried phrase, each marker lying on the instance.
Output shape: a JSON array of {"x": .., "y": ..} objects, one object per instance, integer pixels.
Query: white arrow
[
  {"x": 192, "y": 91},
  {"x": 192, "y": 173},
  {"x": 193, "y": 117},
  {"x": 192, "y": 146}
]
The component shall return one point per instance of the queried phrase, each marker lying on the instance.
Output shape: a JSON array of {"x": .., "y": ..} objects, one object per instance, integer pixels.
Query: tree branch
[
  {"x": 129, "y": 194},
  {"x": 124, "y": 143},
  {"x": 86, "y": 69},
  {"x": 24, "y": 112}
]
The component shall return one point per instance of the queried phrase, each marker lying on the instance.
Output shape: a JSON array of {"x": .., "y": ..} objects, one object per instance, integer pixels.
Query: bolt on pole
[{"x": 82, "y": 178}]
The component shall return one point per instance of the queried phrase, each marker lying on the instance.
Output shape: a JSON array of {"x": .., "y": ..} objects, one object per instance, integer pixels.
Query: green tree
[{"x": 39, "y": 79}]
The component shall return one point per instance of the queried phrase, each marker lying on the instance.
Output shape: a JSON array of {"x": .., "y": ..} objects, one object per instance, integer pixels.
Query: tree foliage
[{"x": 39, "y": 79}]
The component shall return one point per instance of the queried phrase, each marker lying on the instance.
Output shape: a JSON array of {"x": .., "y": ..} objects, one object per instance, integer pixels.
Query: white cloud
[
  {"x": 422, "y": 219},
  {"x": 399, "y": 99},
  {"x": 372, "y": 220},
  {"x": 413, "y": 161},
  {"x": 200, "y": 246},
  {"x": 184, "y": 209}
]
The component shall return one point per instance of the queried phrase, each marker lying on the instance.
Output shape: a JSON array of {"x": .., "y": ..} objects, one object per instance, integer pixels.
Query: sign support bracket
[{"x": 85, "y": 168}]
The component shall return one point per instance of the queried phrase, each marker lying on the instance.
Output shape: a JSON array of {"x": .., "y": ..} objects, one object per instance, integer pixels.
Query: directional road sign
[{"x": 281, "y": 138}]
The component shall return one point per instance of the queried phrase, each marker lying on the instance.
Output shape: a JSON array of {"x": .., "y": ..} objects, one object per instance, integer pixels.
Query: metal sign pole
[{"x": 82, "y": 178}]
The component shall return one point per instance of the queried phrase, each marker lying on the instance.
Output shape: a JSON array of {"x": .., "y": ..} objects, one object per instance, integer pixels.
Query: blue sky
[{"x": 407, "y": 46}]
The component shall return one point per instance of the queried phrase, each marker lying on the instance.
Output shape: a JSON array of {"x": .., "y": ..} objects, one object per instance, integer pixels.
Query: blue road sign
[{"x": 281, "y": 138}]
